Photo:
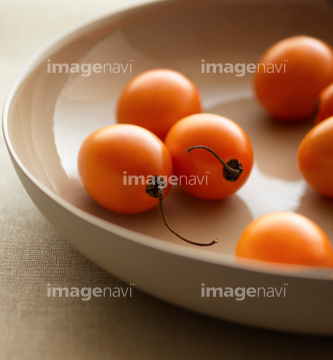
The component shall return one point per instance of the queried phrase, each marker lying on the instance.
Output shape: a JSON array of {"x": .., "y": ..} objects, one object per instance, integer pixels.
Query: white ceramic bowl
[{"x": 47, "y": 116}]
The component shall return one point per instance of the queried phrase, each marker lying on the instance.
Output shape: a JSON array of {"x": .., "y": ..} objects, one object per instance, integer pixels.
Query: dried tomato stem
[
  {"x": 160, "y": 187},
  {"x": 232, "y": 172}
]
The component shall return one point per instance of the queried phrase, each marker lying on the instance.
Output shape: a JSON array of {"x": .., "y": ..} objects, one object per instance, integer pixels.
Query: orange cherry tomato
[
  {"x": 325, "y": 106},
  {"x": 285, "y": 237},
  {"x": 115, "y": 164},
  {"x": 305, "y": 67},
  {"x": 315, "y": 157},
  {"x": 156, "y": 99},
  {"x": 199, "y": 172}
]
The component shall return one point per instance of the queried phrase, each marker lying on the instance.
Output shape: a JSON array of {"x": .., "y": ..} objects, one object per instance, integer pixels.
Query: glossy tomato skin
[
  {"x": 220, "y": 134},
  {"x": 285, "y": 237},
  {"x": 156, "y": 99},
  {"x": 325, "y": 104},
  {"x": 306, "y": 69},
  {"x": 315, "y": 157},
  {"x": 112, "y": 153}
]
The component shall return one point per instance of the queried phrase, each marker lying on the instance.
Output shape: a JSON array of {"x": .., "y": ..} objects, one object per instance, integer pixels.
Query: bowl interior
[{"x": 52, "y": 113}]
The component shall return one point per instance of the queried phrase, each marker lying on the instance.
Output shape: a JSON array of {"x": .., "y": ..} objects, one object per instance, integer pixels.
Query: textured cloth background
[{"x": 33, "y": 254}]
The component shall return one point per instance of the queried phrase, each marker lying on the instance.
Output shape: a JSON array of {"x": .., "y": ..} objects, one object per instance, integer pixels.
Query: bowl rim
[{"x": 226, "y": 260}]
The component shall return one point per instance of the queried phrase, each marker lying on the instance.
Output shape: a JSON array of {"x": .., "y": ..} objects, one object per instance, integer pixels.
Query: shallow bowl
[{"x": 49, "y": 113}]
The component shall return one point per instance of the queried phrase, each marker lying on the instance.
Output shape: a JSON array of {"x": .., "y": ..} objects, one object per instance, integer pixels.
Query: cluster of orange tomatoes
[{"x": 162, "y": 133}]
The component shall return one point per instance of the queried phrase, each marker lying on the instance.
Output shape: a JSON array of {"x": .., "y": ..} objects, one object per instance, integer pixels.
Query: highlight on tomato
[
  {"x": 315, "y": 157},
  {"x": 212, "y": 155},
  {"x": 285, "y": 237},
  {"x": 303, "y": 67},
  {"x": 156, "y": 99}
]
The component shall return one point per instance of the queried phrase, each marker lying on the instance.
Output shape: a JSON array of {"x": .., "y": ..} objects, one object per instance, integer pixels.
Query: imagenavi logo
[
  {"x": 240, "y": 69},
  {"x": 86, "y": 293},
  {"x": 241, "y": 293},
  {"x": 86, "y": 69}
]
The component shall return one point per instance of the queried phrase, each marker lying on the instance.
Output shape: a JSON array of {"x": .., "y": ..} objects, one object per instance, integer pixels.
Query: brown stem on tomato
[
  {"x": 155, "y": 188},
  {"x": 231, "y": 170}
]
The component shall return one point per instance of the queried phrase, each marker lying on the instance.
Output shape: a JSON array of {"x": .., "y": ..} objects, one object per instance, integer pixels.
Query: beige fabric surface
[{"x": 33, "y": 254}]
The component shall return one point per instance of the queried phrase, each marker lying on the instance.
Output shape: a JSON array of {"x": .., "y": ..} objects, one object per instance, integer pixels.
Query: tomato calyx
[
  {"x": 231, "y": 170},
  {"x": 155, "y": 185},
  {"x": 233, "y": 164},
  {"x": 155, "y": 188}
]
